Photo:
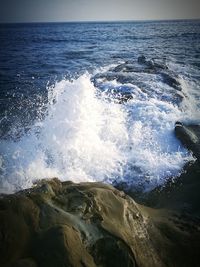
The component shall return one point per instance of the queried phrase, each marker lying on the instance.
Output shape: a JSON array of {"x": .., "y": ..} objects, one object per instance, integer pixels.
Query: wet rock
[
  {"x": 152, "y": 64},
  {"x": 129, "y": 73},
  {"x": 170, "y": 80},
  {"x": 151, "y": 67},
  {"x": 189, "y": 135},
  {"x": 141, "y": 59},
  {"x": 120, "y": 67},
  {"x": 127, "y": 68}
]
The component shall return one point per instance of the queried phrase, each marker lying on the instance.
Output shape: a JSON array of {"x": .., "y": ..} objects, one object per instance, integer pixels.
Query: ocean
[{"x": 96, "y": 101}]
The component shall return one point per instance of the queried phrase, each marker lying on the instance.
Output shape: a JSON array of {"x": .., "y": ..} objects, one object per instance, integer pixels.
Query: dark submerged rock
[
  {"x": 127, "y": 73},
  {"x": 171, "y": 80},
  {"x": 152, "y": 67},
  {"x": 141, "y": 59},
  {"x": 151, "y": 63}
]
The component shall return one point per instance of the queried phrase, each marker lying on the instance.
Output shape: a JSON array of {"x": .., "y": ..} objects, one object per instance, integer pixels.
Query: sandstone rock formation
[{"x": 90, "y": 225}]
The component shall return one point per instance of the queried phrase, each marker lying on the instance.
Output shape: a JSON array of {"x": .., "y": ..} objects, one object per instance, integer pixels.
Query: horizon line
[{"x": 100, "y": 21}]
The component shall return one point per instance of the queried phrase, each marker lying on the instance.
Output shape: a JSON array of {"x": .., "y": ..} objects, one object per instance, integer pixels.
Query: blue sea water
[{"x": 61, "y": 112}]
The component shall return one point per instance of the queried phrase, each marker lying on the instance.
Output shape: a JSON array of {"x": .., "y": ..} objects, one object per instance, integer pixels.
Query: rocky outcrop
[
  {"x": 129, "y": 73},
  {"x": 64, "y": 224},
  {"x": 189, "y": 135},
  {"x": 95, "y": 225},
  {"x": 91, "y": 225}
]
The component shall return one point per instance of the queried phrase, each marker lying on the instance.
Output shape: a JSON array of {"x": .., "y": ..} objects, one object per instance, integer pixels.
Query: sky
[{"x": 96, "y": 10}]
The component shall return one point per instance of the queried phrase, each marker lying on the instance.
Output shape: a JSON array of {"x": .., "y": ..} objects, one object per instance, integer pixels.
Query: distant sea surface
[{"x": 77, "y": 104}]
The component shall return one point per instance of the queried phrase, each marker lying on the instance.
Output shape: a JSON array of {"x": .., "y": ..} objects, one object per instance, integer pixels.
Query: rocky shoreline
[{"x": 95, "y": 225}]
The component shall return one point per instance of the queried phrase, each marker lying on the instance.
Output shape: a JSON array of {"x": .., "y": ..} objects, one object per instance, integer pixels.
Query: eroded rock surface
[
  {"x": 64, "y": 224},
  {"x": 89, "y": 225}
]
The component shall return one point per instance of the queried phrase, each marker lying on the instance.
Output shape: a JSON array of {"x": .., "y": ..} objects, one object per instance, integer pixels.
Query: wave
[{"x": 87, "y": 135}]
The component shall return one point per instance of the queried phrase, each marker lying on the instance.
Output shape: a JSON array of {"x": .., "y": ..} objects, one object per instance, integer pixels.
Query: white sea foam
[{"x": 86, "y": 138}]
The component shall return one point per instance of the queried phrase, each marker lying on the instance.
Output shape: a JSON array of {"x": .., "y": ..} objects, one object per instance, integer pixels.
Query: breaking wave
[{"x": 87, "y": 135}]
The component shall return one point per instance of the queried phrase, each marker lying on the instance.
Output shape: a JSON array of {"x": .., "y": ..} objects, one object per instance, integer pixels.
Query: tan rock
[{"x": 88, "y": 224}]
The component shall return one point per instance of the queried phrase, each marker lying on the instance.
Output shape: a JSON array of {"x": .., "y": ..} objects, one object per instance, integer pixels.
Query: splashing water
[{"x": 85, "y": 137}]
